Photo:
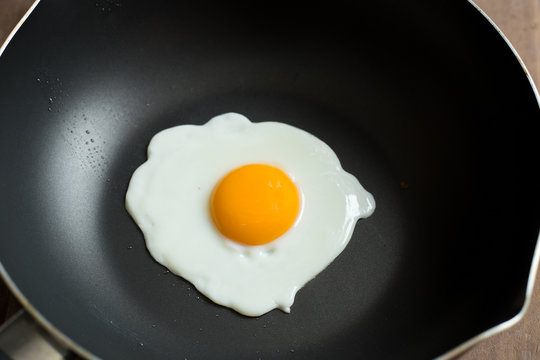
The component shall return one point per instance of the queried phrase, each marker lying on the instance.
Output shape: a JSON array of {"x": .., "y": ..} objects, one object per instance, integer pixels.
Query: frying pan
[{"x": 423, "y": 102}]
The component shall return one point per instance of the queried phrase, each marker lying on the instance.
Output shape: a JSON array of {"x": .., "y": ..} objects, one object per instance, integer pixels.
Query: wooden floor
[{"x": 519, "y": 20}]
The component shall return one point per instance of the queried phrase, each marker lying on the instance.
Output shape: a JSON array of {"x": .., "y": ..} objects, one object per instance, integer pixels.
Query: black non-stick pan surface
[{"x": 422, "y": 101}]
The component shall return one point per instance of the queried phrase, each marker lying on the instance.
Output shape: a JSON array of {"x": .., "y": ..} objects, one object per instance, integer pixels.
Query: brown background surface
[{"x": 519, "y": 20}]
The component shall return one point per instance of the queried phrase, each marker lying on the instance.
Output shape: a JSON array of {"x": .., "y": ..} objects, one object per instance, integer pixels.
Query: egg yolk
[{"x": 255, "y": 204}]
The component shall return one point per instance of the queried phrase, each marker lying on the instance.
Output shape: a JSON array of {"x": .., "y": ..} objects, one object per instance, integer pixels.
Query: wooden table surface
[{"x": 519, "y": 20}]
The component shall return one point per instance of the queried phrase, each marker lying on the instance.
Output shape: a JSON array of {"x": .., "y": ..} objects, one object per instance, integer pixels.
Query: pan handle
[{"x": 22, "y": 338}]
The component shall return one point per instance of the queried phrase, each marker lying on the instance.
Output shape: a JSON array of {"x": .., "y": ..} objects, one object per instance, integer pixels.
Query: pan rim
[
  {"x": 17, "y": 27},
  {"x": 452, "y": 353},
  {"x": 460, "y": 349},
  {"x": 62, "y": 338}
]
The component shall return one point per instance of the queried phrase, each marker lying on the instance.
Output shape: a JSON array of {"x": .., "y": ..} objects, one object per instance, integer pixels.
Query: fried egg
[{"x": 246, "y": 212}]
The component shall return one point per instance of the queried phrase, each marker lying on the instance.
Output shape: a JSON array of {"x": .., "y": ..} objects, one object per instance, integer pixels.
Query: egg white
[{"x": 168, "y": 197}]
